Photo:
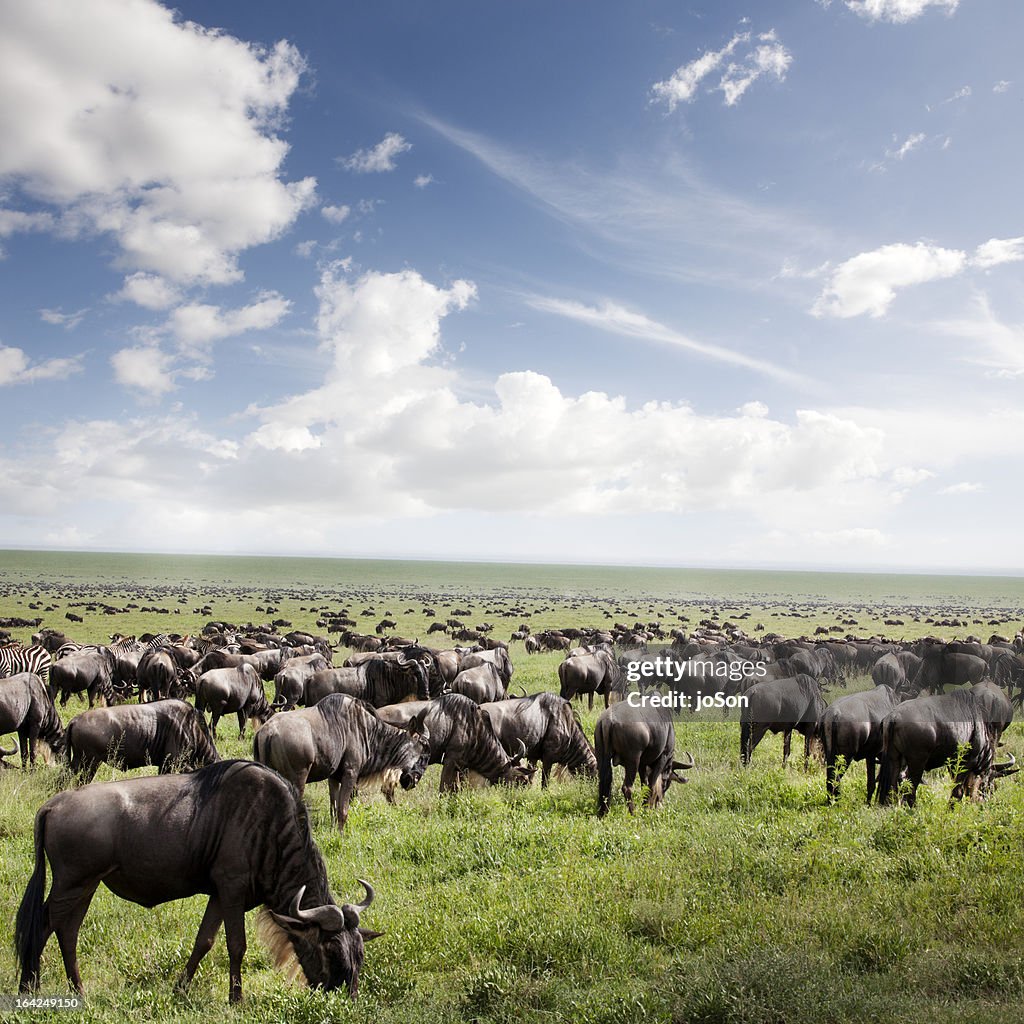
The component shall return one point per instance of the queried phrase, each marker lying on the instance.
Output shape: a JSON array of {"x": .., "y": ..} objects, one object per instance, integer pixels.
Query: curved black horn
[
  {"x": 8, "y": 753},
  {"x": 523, "y": 688},
  {"x": 329, "y": 918},
  {"x": 680, "y": 767},
  {"x": 1006, "y": 768}
]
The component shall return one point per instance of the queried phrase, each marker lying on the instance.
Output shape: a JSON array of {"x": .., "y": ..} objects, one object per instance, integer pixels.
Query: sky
[{"x": 677, "y": 283}]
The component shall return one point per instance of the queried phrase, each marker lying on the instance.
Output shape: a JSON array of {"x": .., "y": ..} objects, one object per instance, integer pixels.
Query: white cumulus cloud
[
  {"x": 898, "y": 11},
  {"x": 124, "y": 120},
  {"x": 868, "y": 283},
  {"x": 335, "y": 214},
  {"x": 17, "y": 368},
  {"x": 998, "y": 250},
  {"x": 379, "y": 158}
]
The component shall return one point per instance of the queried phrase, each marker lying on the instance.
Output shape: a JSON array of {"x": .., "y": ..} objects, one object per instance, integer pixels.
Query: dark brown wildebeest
[
  {"x": 590, "y": 673},
  {"x": 92, "y": 670},
  {"x": 379, "y": 681},
  {"x": 851, "y": 729},
  {"x": 498, "y": 657},
  {"x": 944, "y": 665},
  {"x": 545, "y": 725},
  {"x": 344, "y": 741},
  {"x": 235, "y": 831},
  {"x": 27, "y": 709},
  {"x": 781, "y": 705},
  {"x": 958, "y": 730},
  {"x": 226, "y": 690},
  {"x": 481, "y": 684},
  {"x": 643, "y": 741},
  {"x": 462, "y": 740},
  {"x": 169, "y": 733},
  {"x": 290, "y": 682}
]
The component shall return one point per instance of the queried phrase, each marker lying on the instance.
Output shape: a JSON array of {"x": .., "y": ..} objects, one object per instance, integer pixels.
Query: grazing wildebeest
[
  {"x": 223, "y": 690},
  {"x": 462, "y": 740},
  {"x": 960, "y": 730},
  {"x": 27, "y": 709},
  {"x": 590, "y": 673},
  {"x": 481, "y": 683},
  {"x": 643, "y": 741},
  {"x": 379, "y": 681},
  {"x": 169, "y": 733},
  {"x": 290, "y": 682},
  {"x": 549, "y": 730},
  {"x": 780, "y": 705},
  {"x": 235, "y": 831},
  {"x": 344, "y": 741},
  {"x": 92, "y": 670},
  {"x": 851, "y": 729}
]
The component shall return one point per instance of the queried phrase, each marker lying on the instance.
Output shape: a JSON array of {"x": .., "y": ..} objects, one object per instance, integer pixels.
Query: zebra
[{"x": 15, "y": 659}]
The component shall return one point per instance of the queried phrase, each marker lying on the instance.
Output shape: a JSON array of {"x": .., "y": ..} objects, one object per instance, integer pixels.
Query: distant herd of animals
[{"x": 238, "y": 830}]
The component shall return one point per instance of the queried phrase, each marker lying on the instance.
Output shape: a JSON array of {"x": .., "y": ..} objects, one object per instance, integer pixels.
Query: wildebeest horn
[
  {"x": 8, "y": 753},
  {"x": 329, "y": 918},
  {"x": 678, "y": 766},
  {"x": 1006, "y": 768},
  {"x": 522, "y": 751},
  {"x": 523, "y": 688},
  {"x": 279, "y": 701},
  {"x": 369, "y": 895}
]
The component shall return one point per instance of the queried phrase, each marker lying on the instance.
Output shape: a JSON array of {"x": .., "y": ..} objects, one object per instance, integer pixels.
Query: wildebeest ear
[
  {"x": 416, "y": 723},
  {"x": 367, "y": 934}
]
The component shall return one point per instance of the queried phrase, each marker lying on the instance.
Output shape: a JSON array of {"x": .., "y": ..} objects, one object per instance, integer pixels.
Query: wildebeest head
[
  {"x": 322, "y": 946},
  {"x": 419, "y": 753}
]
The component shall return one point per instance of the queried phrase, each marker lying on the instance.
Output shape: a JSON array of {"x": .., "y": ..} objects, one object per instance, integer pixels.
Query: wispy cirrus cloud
[
  {"x": 616, "y": 319},
  {"x": 17, "y": 368}
]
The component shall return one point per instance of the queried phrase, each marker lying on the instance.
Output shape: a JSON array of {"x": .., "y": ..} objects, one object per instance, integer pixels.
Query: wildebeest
[
  {"x": 780, "y": 705},
  {"x": 546, "y": 726},
  {"x": 92, "y": 670},
  {"x": 942, "y": 665},
  {"x": 344, "y": 741},
  {"x": 851, "y": 729},
  {"x": 643, "y": 741},
  {"x": 235, "y": 831},
  {"x": 497, "y": 656},
  {"x": 169, "y": 733},
  {"x": 290, "y": 682},
  {"x": 226, "y": 690},
  {"x": 379, "y": 682},
  {"x": 481, "y": 683},
  {"x": 590, "y": 673},
  {"x": 27, "y": 709},
  {"x": 158, "y": 675},
  {"x": 960, "y": 730},
  {"x": 462, "y": 740}
]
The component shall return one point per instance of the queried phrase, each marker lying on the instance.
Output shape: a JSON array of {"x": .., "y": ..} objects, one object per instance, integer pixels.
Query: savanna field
[{"x": 746, "y": 899}]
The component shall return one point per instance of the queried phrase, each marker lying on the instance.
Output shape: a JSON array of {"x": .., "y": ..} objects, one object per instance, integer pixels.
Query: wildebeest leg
[
  {"x": 241, "y": 724},
  {"x": 66, "y": 916},
  {"x": 341, "y": 794},
  {"x": 871, "y": 778},
  {"x": 627, "y": 784},
  {"x": 234, "y": 932},
  {"x": 449, "y": 778},
  {"x": 787, "y": 742},
  {"x": 208, "y": 929},
  {"x": 590, "y": 701},
  {"x": 215, "y": 714},
  {"x": 832, "y": 777},
  {"x": 545, "y": 773}
]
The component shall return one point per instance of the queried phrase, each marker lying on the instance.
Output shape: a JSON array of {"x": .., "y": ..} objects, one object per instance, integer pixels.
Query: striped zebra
[
  {"x": 15, "y": 659},
  {"x": 122, "y": 645}
]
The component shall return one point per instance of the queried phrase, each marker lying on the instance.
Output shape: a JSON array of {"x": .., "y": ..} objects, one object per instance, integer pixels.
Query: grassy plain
[{"x": 745, "y": 900}]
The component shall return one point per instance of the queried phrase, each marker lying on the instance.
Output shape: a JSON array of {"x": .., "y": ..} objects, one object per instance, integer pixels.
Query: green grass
[{"x": 744, "y": 900}]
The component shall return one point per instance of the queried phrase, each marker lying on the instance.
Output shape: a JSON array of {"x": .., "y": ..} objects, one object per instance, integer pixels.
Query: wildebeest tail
[
  {"x": 30, "y": 923},
  {"x": 888, "y": 772},
  {"x": 604, "y": 773}
]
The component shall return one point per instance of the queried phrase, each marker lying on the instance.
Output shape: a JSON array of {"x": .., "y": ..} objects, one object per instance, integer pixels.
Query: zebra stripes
[{"x": 15, "y": 659}]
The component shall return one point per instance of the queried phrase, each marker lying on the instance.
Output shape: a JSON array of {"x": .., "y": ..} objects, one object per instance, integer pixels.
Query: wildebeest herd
[{"x": 238, "y": 830}]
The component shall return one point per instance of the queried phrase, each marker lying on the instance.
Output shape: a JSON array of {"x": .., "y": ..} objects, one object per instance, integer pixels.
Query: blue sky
[{"x": 661, "y": 283}]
